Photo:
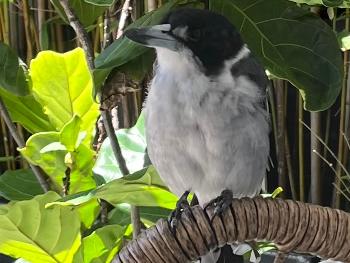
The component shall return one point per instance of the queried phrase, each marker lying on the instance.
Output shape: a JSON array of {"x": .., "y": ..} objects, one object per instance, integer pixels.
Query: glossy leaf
[
  {"x": 19, "y": 185},
  {"x": 87, "y": 13},
  {"x": 26, "y": 111},
  {"x": 292, "y": 43},
  {"x": 12, "y": 77},
  {"x": 102, "y": 244},
  {"x": 143, "y": 188},
  {"x": 63, "y": 86},
  {"x": 133, "y": 145},
  {"x": 40, "y": 235}
]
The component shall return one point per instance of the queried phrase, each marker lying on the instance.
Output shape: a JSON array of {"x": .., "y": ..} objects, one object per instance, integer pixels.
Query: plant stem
[
  {"x": 340, "y": 155},
  {"x": 152, "y": 5},
  {"x": 315, "y": 187},
  {"x": 124, "y": 15},
  {"x": 41, "y": 19},
  {"x": 279, "y": 88},
  {"x": 289, "y": 166},
  {"x": 301, "y": 150},
  {"x": 27, "y": 27},
  {"x": 20, "y": 142}
]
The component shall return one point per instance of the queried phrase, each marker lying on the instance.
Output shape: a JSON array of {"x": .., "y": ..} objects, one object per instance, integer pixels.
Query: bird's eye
[{"x": 196, "y": 35}]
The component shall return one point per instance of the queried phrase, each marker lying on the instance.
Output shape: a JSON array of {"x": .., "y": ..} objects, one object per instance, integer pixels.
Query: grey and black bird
[{"x": 207, "y": 127}]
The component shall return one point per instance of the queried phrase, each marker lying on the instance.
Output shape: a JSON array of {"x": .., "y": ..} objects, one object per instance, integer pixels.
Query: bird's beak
[{"x": 154, "y": 36}]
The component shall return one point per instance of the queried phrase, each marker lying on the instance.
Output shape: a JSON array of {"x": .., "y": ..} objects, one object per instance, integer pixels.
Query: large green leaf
[
  {"x": 292, "y": 43},
  {"x": 87, "y": 13},
  {"x": 55, "y": 152},
  {"x": 133, "y": 145},
  {"x": 40, "y": 235},
  {"x": 143, "y": 188},
  {"x": 102, "y": 244},
  {"x": 12, "y": 77},
  {"x": 26, "y": 111},
  {"x": 63, "y": 85},
  {"x": 19, "y": 185}
]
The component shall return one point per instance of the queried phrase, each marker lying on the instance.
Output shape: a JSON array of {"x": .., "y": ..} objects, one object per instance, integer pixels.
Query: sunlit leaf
[
  {"x": 36, "y": 234},
  {"x": 46, "y": 149},
  {"x": 102, "y": 243},
  {"x": 143, "y": 188},
  {"x": 63, "y": 85}
]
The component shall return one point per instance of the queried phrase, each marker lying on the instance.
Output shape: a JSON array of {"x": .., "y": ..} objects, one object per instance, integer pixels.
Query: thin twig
[
  {"x": 20, "y": 142},
  {"x": 124, "y": 15},
  {"x": 81, "y": 33},
  {"x": 114, "y": 142}
]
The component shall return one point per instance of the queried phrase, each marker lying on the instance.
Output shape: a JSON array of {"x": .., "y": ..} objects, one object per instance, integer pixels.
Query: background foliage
[{"x": 55, "y": 99}]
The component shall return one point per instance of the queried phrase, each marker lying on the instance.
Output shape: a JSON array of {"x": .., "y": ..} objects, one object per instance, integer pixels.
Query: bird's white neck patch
[
  {"x": 225, "y": 76},
  {"x": 244, "y": 52}
]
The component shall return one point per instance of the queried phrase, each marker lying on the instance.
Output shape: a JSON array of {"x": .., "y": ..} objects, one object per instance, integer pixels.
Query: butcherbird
[{"x": 207, "y": 128}]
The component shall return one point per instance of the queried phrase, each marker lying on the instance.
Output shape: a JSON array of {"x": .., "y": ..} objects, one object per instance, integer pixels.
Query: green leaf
[
  {"x": 26, "y": 111},
  {"x": 70, "y": 134},
  {"x": 47, "y": 150},
  {"x": 19, "y": 185},
  {"x": 63, "y": 85},
  {"x": 102, "y": 244},
  {"x": 133, "y": 145},
  {"x": 344, "y": 40},
  {"x": 12, "y": 77},
  {"x": 87, "y": 13},
  {"x": 137, "y": 68},
  {"x": 121, "y": 214},
  {"x": 123, "y": 50},
  {"x": 143, "y": 188},
  {"x": 100, "y": 2},
  {"x": 292, "y": 43},
  {"x": 40, "y": 235},
  {"x": 88, "y": 213}
]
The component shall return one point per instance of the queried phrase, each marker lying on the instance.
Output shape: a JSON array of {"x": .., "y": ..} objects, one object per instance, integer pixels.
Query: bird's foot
[
  {"x": 175, "y": 215},
  {"x": 221, "y": 203}
]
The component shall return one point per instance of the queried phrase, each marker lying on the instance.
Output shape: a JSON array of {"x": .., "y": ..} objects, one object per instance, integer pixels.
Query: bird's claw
[
  {"x": 175, "y": 215},
  {"x": 221, "y": 203}
]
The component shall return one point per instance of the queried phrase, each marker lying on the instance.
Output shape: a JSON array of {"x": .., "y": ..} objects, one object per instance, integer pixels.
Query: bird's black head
[{"x": 210, "y": 37}]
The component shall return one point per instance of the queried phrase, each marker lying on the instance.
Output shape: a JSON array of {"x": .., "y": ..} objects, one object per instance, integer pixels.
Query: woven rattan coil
[{"x": 291, "y": 225}]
